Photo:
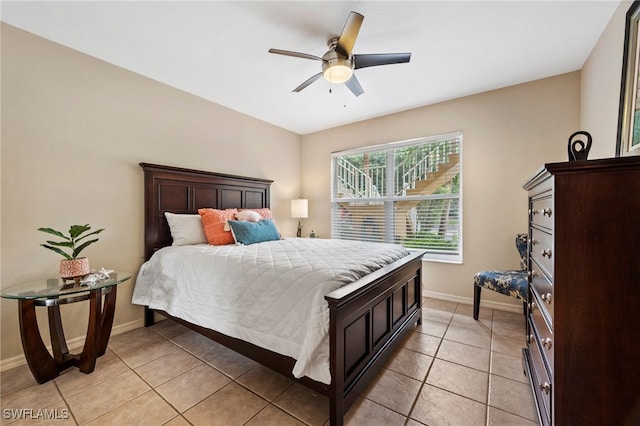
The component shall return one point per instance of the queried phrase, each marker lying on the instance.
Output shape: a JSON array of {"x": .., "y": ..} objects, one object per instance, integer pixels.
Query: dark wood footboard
[{"x": 368, "y": 321}]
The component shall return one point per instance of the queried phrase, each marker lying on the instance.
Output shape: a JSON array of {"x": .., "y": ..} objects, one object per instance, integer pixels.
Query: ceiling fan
[{"x": 339, "y": 62}]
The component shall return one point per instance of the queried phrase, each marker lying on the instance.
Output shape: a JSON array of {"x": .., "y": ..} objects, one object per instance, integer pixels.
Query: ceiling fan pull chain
[{"x": 330, "y": 82}]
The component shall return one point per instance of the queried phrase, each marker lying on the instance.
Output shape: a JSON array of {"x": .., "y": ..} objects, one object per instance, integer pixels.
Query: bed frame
[{"x": 368, "y": 318}]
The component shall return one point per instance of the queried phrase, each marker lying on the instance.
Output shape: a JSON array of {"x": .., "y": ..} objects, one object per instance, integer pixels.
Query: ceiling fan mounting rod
[{"x": 333, "y": 42}]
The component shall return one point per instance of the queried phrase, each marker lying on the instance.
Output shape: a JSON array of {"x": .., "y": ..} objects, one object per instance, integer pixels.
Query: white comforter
[{"x": 270, "y": 294}]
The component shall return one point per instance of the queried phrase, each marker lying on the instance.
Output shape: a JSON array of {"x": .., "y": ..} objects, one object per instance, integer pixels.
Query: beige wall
[
  {"x": 508, "y": 134},
  {"x": 600, "y": 87},
  {"x": 73, "y": 132}
]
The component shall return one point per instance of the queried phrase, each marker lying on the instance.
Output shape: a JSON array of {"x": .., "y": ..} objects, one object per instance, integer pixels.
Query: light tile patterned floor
[{"x": 451, "y": 370}]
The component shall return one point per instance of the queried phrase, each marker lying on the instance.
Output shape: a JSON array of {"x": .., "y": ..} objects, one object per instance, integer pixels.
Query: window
[{"x": 405, "y": 192}]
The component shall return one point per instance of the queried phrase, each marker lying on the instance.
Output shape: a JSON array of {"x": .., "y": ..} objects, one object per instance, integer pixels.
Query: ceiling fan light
[{"x": 338, "y": 73}]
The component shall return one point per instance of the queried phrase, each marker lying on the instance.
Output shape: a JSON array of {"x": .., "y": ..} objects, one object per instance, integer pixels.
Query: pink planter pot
[{"x": 74, "y": 268}]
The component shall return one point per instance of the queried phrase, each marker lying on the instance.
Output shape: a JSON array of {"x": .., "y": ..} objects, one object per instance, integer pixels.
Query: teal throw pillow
[{"x": 254, "y": 232}]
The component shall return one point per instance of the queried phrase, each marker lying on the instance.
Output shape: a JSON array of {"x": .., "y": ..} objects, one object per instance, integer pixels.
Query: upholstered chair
[{"x": 511, "y": 283}]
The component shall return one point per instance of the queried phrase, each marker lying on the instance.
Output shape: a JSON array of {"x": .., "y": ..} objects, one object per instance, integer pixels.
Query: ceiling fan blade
[
  {"x": 354, "y": 85},
  {"x": 295, "y": 54},
  {"x": 349, "y": 34},
  {"x": 307, "y": 82},
  {"x": 375, "y": 59}
]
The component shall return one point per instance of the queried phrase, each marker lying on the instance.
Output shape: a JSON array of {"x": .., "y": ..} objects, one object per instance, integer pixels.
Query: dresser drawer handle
[
  {"x": 530, "y": 338},
  {"x": 546, "y": 212},
  {"x": 545, "y": 387},
  {"x": 534, "y": 241},
  {"x": 532, "y": 306},
  {"x": 534, "y": 212},
  {"x": 546, "y": 343},
  {"x": 546, "y": 253},
  {"x": 547, "y": 297},
  {"x": 532, "y": 274}
]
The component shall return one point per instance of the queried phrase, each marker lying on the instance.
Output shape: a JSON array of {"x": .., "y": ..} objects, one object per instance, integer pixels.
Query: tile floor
[{"x": 451, "y": 370}]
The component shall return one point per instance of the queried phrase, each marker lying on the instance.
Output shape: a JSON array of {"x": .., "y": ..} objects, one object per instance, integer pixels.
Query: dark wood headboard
[{"x": 177, "y": 190}]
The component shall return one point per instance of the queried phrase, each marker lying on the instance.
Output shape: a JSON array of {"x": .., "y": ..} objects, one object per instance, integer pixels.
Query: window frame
[{"x": 388, "y": 200}]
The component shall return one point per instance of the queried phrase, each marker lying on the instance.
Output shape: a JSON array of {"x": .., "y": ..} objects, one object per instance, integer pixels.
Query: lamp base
[{"x": 299, "y": 233}]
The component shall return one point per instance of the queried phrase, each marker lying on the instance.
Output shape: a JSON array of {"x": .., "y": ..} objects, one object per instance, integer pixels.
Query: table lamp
[{"x": 300, "y": 210}]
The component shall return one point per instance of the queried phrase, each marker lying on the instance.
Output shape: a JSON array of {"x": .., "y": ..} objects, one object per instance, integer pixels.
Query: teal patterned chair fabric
[{"x": 511, "y": 283}]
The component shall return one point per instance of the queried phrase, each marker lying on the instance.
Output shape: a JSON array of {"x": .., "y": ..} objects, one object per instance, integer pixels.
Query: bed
[{"x": 367, "y": 317}]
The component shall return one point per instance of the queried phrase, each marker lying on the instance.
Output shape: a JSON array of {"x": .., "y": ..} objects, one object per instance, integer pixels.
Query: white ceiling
[{"x": 218, "y": 49}]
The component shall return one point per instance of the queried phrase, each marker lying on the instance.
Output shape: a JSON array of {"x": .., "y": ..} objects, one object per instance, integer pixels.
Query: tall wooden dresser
[{"x": 583, "y": 321}]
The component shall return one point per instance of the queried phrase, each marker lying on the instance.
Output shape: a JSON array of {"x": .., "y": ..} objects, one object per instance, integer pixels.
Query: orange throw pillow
[{"x": 213, "y": 221}]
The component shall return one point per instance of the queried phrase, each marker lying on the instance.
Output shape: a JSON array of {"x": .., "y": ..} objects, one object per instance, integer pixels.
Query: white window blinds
[{"x": 407, "y": 193}]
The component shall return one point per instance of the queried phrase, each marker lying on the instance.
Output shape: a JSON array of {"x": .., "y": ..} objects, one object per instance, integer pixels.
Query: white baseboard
[
  {"x": 510, "y": 307},
  {"x": 73, "y": 344}
]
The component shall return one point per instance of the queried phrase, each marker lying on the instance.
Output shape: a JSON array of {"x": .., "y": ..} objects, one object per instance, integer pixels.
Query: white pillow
[
  {"x": 249, "y": 216},
  {"x": 186, "y": 229}
]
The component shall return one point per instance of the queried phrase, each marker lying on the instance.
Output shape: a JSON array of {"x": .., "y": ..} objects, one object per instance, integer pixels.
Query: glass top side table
[{"x": 52, "y": 293}]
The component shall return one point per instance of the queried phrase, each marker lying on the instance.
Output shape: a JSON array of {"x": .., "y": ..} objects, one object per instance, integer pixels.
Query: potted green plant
[{"x": 72, "y": 266}]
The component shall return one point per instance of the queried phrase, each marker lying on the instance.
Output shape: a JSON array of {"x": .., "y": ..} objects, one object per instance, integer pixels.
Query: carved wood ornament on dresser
[{"x": 583, "y": 312}]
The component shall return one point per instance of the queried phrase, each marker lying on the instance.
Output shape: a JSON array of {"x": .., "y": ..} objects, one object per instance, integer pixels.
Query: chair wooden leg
[{"x": 476, "y": 301}]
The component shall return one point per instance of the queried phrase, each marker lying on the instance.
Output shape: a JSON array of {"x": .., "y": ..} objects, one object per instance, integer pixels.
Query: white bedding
[{"x": 270, "y": 294}]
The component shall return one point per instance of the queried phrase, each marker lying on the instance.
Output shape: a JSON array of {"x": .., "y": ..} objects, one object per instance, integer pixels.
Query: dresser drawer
[
  {"x": 541, "y": 211},
  {"x": 540, "y": 381},
  {"x": 543, "y": 333},
  {"x": 543, "y": 289},
  {"x": 542, "y": 250}
]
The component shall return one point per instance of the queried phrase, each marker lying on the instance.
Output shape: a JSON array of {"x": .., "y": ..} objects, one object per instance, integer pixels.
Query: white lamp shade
[{"x": 300, "y": 208}]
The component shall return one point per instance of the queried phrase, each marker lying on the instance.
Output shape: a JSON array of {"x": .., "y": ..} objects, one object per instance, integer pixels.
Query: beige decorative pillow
[
  {"x": 249, "y": 216},
  {"x": 264, "y": 212}
]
